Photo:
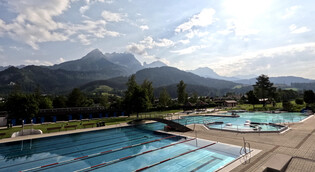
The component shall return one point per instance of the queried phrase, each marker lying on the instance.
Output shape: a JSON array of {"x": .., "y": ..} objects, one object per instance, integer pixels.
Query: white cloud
[
  {"x": 83, "y": 39},
  {"x": 37, "y": 62},
  {"x": 274, "y": 59},
  {"x": 88, "y": 4},
  {"x": 34, "y": 22},
  {"x": 113, "y": 17},
  {"x": 84, "y": 8},
  {"x": 204, "y": 18},
  {"x": 137, "y": 49},
  {"x": 295, "y": 30},
  {"x": 148, "y": 43},
  {"x": 61, "y": 60},
  {"x": 15, "y": 48},
  {"x": 184, "y": 41},
  {"x": 289, "y": 12},
  {"x": 193, "y": 33},
  {"x": 144, "y": 27},
  {"x": 188, "y": 50}
]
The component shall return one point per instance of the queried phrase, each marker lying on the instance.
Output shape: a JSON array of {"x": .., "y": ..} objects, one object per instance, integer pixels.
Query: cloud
[
  {"x": 184, "y": 41},
  {"x": 204, "y": 18},
  {"x": 286, "y": 60},
  {"x": 137, "y": 49},
  {"x": 148, "y": 43},
  {"x": 61, "y": 60},
  {"x": 113, "y": 17},
  {"x": 289, "y": 12},
  {"x": 293, "y": 28},
  {"x": 88, "y": 4},
  {"x": 83, "y": 39},
  {"x": 144, "y": 27},
  {"x": 188, "y": 50},
  {"x": 193, "y": 33},
  {"x": 34, "y": 22},
  {"x": 37, "y": 62}
]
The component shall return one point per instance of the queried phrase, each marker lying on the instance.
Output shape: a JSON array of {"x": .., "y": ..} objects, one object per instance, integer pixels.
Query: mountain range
[{"x": 112, "y": 70}]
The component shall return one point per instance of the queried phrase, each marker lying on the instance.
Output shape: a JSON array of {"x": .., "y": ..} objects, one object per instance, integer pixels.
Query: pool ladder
[{"x": 245, "y": 152}]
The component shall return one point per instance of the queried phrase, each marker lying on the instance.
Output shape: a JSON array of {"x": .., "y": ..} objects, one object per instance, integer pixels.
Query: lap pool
[{"x": 119, "y": 149}]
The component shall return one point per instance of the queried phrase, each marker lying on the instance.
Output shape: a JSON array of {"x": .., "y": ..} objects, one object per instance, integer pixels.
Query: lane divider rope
[
  {"x": 128, "y": 157},
  {"x": 152, "y": 165},
  {"x": 92, "y": 155}
]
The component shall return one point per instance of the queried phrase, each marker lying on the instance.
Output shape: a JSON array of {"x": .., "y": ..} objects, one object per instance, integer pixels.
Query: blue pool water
[
  {"x": 238, "y": 122},
  {"x": 105, "y": 150}
]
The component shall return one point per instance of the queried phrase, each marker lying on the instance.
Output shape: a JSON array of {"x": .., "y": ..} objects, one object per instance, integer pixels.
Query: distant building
[{"x": 230, "y": 103}]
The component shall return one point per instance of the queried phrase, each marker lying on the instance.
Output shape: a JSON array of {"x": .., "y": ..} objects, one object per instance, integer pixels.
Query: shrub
[
  {"x": 287, "y": 106},
  {"x": 299, "y": 101}
]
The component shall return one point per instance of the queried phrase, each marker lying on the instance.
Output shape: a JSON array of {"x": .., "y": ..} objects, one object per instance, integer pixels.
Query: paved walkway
[{"x": 298, "y": 142}]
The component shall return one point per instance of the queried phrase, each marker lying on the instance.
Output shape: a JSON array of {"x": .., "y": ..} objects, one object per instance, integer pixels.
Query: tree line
[{"x": 265, "y": 92}]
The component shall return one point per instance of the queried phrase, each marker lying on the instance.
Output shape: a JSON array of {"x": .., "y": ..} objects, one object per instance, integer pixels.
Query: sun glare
[{"x": 246, "y": 9}]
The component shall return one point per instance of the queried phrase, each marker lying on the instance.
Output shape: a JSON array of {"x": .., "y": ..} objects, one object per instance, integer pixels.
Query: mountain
[
  {"x": 154, "y": 64},
  {"x": 287, "y": 80},
  {"x": 209, "y": 73},
  {"x": 126, "y": 60},
  {"x": 2, "y": 68},
  {"x": 49, "y": 80},
  {"x": 93, "y": 61},
  {"x": 168, "y": 77},
  {"x": 163, "y": 76}
]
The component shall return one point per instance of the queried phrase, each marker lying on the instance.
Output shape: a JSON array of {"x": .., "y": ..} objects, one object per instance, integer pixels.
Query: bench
[
  {"x": 70, "y": 126},
  {"x": 87, "y": 124},
  {"x": 53, "y": 128},
  {"x": 276, "y": 163}
]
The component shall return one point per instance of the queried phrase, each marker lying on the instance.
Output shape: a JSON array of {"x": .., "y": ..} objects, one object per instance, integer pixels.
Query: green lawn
[
  {"x": 108, "y": 121},
  {"x": 259, "y": 107}
]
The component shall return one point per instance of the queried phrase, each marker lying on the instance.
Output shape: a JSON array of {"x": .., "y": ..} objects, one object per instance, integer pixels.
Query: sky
[{"x": 243, "y": 37}]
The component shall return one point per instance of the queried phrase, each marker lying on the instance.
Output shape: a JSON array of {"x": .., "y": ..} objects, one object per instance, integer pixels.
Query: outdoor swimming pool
[
  {"x": 120, "y": 149},
  {"x": 248, "y": 121}
]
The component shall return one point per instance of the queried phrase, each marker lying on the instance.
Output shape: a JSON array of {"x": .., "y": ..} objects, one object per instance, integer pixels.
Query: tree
[
  {"x": 287, "y": 106},
  {"x": 22, "y": 105},
  {"x": 45, "y": 103},
  {"x": 181, "y": 92},
  {"x": 164, "y": 98},
  {"x": 140, "y": 100},
  {"x": 193, "y": 98},
  {"x": 252, "y": 99},
  {"x": 147, "y": 86},
  {"x": 77, "y": 99},
  {"x": 136, "y": 98},
  {"x": 264, "y": 89},
  {"x": 60, "y": 102},
  {"x": 299, "y": 101},
  {"x": 309, "y": 96}
]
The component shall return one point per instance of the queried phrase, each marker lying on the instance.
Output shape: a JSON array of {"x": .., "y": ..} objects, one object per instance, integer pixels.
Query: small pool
[
  {"x": 247, "y": 122},
  {"x": 121, "y": 149}
]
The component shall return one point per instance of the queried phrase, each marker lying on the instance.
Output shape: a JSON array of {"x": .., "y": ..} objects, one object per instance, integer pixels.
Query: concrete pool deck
[{"x": 298, "y": 142}]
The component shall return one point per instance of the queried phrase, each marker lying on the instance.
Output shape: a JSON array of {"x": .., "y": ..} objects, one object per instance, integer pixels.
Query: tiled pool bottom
[{"x": 122, "y": 149}]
